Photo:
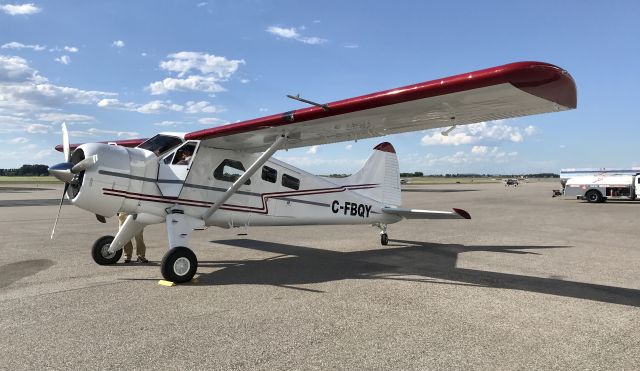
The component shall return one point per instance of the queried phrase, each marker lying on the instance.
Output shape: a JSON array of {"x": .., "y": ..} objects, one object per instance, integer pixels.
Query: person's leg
[{"x": 141, "y": 248}]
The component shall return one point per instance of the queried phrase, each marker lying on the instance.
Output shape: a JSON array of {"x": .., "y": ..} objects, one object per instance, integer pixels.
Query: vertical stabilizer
[{"x": 382, "y": 170}]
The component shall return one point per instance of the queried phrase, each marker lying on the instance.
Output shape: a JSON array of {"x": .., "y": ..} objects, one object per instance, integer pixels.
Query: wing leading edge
[{"x": 511, "y": 90}]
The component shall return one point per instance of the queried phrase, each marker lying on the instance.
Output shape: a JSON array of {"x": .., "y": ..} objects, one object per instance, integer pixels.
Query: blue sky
[{"x": 123, "y": 69}]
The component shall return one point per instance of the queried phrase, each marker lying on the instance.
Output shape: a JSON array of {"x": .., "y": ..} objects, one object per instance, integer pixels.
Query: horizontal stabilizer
[{"x": 426, "y": 214}]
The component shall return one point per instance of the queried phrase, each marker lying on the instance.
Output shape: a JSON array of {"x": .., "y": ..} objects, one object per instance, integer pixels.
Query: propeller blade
[
  {"x": 65, "y": 142},
  {"x": 53, "y": 231},
  {"x": 84, "y": 164}
]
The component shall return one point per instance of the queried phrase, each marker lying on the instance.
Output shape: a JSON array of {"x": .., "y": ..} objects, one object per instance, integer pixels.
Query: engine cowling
[{"x": 111, "y": 171}]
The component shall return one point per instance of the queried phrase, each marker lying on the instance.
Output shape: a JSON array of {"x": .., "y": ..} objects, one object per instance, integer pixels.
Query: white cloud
[
  {"x": 312, "y": 150},
  {"x": 65, "y": 117},
  {"x": 351, "y": 46},
  {"x": 530, "y": 130},
  {"x": 16, "y": 69},
  {"x": 348, "y": 147},
  {"x": 201, "y": 107},
  {"x": 20, "y": 9},
  {"x": 244, "y": 81},
  {"x": 19, "y": 140},
  {"x": 207, "y": 64},
  {"x": 18, "y": 46},
  {"x": 212, "y": 121},
  {"x": 191, "y": 83},
  {"x": 94, "y": 132},
  {"x": 118, "y": 44},
  {"x": 200, "y": 5},
  {"x": 23, "y": 89},
  {"x": 263, "y": 109},
  {"x": 169, "y": 123},
  {"x": 292, "y": 33},
  {"x": 477, "y": 154},
  {"x": 38, "y": 129},
  {"x": 155, "y": 106},
  {"x": 71, "y": 49},
  {"x": 494, "y": 131},
  {"x": 195, "y": 72},
  {"x": 65, "y": 59}
]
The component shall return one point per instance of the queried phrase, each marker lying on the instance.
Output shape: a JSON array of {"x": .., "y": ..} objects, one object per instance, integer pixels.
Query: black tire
[
  {"x": 593, "y": 196},
  {"x": 100, "y": 254},
  {"x": 384, "y": 239},
  {"x": 179, "y": 265}
]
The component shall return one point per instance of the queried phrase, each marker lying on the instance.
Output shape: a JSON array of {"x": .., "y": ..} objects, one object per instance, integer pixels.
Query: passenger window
[
  {"x": 290, "y": 182},
  {"x": 230, "y": 171},
  {"x": 184, "y": 155},
  {"x": 269, "y": 174}
]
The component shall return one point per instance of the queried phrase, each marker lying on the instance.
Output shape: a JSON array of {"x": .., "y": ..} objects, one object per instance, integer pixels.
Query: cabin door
[{"x": 174, "y": 168}]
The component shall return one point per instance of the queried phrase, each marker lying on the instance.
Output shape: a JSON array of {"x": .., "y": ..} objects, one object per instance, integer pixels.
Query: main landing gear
[
  {"x": 179, "y": 265},
  {"x": 100, "y": 251}
]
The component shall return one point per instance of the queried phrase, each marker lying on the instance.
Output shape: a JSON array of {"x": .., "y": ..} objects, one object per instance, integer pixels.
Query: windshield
[{"x": 160, "y": 144}]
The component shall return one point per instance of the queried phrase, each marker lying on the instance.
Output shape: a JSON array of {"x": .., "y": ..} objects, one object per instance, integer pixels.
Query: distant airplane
[{"x": 225, "y": 176}]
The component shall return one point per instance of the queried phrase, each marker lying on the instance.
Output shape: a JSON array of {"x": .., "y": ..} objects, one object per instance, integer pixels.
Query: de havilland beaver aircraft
[{"x": 225, "y": 176}]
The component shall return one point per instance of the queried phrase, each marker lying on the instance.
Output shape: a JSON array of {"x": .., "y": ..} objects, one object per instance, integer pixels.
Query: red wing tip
[
  {"x": 385, "y": 147},
  {"x": 462, "y": 213}
]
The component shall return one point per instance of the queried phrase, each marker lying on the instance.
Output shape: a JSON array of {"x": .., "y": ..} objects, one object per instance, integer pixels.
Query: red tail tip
[
  {"x": 385, "y": 147},
  {"x": 462, "y": 213}
]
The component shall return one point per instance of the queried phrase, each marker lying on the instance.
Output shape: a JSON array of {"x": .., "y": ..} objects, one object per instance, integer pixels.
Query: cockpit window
[{"x": 160, "y": 144}]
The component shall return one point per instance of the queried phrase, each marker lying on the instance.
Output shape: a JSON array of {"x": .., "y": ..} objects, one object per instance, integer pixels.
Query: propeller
[
  {"x": 66, "y": 171},
  {"x": 63, "y": 172}
]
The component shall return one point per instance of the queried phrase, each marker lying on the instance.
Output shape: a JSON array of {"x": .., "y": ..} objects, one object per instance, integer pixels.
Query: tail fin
[{"x": 382, "y": 170}]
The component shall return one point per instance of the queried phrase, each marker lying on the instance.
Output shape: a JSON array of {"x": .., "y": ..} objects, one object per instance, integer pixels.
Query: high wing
[{"x": 511, "y": 90}]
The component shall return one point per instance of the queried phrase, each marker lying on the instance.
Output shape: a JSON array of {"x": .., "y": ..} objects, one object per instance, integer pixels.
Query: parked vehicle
[{"x": 602, "y": 188}]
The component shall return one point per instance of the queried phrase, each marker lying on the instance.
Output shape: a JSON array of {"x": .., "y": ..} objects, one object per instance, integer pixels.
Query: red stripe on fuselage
[{"x": 261, "y": 210}]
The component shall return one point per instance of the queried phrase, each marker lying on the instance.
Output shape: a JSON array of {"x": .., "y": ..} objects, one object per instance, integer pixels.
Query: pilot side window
[
  {"x": 269, "y": 174},
  {"x": 230, "y": 171},
  {"x": 184, "y": 154},
  {"x": 290, "y": 182}
]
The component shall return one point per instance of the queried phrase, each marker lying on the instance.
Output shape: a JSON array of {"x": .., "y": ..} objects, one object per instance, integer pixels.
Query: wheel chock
[
  {"x": 166, "y": 283},
  {"x": 195, "y": 280}
]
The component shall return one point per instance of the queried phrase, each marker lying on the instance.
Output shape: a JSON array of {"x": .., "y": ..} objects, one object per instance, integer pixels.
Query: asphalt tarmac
[{"x": 531, "y": 282}]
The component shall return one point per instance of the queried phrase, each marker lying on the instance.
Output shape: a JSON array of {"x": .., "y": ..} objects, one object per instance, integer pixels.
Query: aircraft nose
[{"x": 62, "y": 171}]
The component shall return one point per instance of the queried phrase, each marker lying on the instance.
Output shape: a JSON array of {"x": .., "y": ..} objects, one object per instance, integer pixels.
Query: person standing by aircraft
[{"x": 141, "y": 248}]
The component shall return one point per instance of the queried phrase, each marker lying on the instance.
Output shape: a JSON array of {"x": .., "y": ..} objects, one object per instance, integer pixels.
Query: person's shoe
[
  {"x": 142, "y": 259},
  {"x": 127, "y": 260}
]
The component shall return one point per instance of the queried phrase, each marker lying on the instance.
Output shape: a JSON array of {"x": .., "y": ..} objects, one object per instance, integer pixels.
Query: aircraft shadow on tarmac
[{"x": 297, "y": 265}]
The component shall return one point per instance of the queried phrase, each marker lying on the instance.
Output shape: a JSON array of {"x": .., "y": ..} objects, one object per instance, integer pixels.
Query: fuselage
[{"x": 139, "y": 181}]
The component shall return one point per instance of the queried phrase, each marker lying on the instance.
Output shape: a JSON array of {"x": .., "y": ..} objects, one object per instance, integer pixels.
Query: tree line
[{"x": 26, "y": 170}]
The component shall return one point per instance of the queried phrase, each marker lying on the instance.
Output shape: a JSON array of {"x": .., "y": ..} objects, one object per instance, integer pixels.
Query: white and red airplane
[{"x": 225, "y": 176}]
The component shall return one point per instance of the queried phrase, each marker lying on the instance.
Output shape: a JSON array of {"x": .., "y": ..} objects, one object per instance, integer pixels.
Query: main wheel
[
  {"x": 593, "y": 196},
  {"x": 179, "y": 265},
  {"x": 384, "y": 239},
  {"x": 100, "y": 251}
]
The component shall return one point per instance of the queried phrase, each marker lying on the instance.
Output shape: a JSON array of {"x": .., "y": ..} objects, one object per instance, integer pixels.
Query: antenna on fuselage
[{"x": 297, "y": 97}]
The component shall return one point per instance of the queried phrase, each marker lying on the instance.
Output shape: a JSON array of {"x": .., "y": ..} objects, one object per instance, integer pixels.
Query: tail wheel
[
  {"x": 100, "y": 251},
  {"x": 384, "y": 239},
  {"x": 179, "y": 265},
  {"x": 593, "y": 196}
]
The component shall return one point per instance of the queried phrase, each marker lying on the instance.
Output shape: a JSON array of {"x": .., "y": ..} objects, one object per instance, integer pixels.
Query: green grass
[{"x": 28, "y": 180}]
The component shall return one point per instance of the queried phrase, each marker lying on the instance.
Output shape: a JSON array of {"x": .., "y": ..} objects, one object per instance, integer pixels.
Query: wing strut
[{"x": 247, "y": 174}]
